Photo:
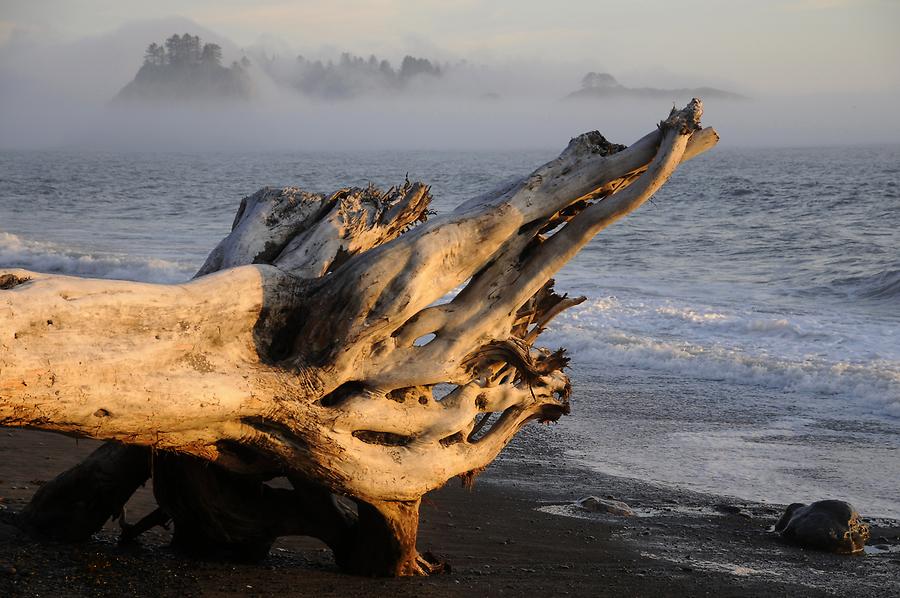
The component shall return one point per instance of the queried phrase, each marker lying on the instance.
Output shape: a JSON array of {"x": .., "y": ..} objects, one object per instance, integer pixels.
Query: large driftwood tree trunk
[{"x": 318, "y": 343}]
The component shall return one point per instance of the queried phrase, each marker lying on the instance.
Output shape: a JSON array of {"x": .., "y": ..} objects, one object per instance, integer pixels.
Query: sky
[{"x": 808, "y": 59}]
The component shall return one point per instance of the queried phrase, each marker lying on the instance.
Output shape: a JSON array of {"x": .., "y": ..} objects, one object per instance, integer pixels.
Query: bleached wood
[{"x": 307, "y": 347}]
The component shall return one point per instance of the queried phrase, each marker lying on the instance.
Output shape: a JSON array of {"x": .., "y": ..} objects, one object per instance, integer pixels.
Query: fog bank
[{"x": 59, "y": 95}]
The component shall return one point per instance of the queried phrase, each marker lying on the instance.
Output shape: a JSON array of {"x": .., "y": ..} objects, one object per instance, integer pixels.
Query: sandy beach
[{"x": 495, "y": 538}]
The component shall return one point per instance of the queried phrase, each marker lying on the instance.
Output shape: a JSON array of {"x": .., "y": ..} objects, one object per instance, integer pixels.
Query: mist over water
[
  {"x": 291, "y": 123},
  {"x": 60, "y": 95}
]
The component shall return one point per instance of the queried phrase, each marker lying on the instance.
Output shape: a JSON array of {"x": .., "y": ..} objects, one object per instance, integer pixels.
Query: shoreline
[{"x": 494, "y": 537}]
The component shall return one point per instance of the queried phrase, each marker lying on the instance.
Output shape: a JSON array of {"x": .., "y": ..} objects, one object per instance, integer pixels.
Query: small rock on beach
[
  {"x": 831, "y": 525},
  {"x": 602, "y": 505}
]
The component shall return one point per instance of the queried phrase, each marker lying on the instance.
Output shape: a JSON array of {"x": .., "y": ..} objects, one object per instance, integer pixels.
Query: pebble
[
  {"x": 600, "y": 505},
  {"x": 725, "y": 508}
]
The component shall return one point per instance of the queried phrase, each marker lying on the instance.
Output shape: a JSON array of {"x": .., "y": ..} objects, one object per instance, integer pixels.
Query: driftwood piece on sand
[{"x": 317, "y": 343}]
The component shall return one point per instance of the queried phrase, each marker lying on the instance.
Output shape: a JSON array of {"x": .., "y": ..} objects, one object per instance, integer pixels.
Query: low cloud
[{"x": 58, "y": 94}]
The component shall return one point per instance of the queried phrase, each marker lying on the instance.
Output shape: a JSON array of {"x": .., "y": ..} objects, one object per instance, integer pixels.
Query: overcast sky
[{"x": 770, "y": 45}]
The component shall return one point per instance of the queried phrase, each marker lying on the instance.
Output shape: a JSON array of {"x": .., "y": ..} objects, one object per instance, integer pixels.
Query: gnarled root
[
  {"x": 384, "y": 542},
  {"x": 75, "y": 505}
]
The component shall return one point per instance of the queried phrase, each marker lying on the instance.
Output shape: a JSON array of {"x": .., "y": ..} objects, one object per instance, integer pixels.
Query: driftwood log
[{"x": 339, "y": 341}]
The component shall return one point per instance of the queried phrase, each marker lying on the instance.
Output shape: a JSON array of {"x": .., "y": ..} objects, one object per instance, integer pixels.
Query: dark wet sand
[{"x": 494, "y": 538}]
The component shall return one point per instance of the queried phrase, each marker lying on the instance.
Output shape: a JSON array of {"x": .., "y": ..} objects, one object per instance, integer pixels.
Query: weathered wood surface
[{"x": 314, "y": 343}]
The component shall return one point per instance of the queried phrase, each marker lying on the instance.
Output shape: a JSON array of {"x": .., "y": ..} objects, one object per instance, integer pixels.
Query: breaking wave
[
  {"x": 16, "y": 252},
  {"x": 816, "y": 358},
  {"x": 884, "y": 285}
]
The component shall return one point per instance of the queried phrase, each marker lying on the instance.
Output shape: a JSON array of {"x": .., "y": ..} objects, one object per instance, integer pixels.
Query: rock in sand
[
  {"x": 832, "y": 525},
  {"x": 602, "y": 505}
]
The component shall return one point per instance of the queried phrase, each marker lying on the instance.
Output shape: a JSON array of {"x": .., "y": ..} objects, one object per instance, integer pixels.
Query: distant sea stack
[
  {"x": 184, "y": 69},
  {"x": 604, "y": 85}
]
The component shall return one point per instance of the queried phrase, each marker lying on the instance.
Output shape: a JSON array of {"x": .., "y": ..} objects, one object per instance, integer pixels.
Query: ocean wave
[
  {"x": 883, "y": 285},
  {"x": 666, "y": 316},
  {"x": 16, "y": 252},
  {"x": 779, "y": 327},
  {"x": 717, "y": 346}
]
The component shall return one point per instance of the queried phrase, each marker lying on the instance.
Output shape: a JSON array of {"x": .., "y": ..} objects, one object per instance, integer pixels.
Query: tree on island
[
  {"x": 599, "y": 81},
  {"x": 185, "y": 68},
  {"x": 603, "y": 86},
  {"x": 211, "y": 54},
  {"x": 317, "y": 344},
  {"x": 353, "y": 76},
  {"x": 183, "y": 49},
  {"x": 155, "y": 55},
  {"x": 412, "y": 66}
]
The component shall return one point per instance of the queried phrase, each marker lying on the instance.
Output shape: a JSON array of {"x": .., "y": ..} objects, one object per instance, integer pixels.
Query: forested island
[
  {"x": 351, "y": 76},
  {"x": 604, "y": 85},
  {"x": 183, "y": 68}
]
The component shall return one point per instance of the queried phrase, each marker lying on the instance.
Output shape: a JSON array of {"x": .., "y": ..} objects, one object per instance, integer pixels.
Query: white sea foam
[
  {"x": 788, "y": 459},
  {"x": 813, "y": 355},
  {"x": 16, "y": 252}
]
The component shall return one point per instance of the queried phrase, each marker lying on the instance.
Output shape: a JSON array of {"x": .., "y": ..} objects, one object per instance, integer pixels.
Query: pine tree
[
  {"x": 211, "y": 54},
  {"x": 174, "y": 49},
  {"x": 155, "y": 55}
]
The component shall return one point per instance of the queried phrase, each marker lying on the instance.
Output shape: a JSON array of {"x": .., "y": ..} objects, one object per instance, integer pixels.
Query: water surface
[{"x": 742, "y": 332}]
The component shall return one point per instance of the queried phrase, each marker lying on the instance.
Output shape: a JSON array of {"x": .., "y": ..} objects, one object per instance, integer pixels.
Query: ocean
[{"x": 741, "y": 334}]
